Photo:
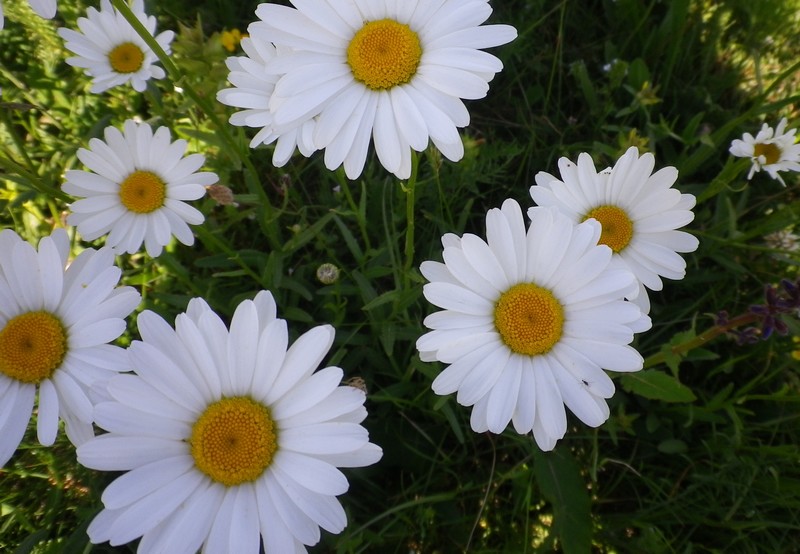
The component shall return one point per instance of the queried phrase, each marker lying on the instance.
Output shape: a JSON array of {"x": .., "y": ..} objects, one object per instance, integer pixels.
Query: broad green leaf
[
  {"x": 657, "y": 385},
  {"x": 562, "y": 485}
]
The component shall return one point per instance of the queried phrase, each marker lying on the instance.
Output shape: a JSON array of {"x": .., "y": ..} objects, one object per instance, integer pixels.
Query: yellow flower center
[
  {"x": 142, "y": 192},
  {"x": 617, "y": 227},
  {"x": 529, "y": 319},
  {"x": 32, "y": 346},
  {"x": 770, "y": 152},
  {"x": 384, "y": 54},
  {"x": 126, "y": 58},
  {"x": 233, "y": 442}
]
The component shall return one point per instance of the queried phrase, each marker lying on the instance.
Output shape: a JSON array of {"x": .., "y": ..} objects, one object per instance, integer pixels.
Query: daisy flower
[
  {"x": 530, "y": 320},
  {"x": 772, "y": 150},
  {"x": 253, "y": 87},
  {"x": 55, "y": 326},
  {"x": 393, "y": 71},
  {"x": 137, "y": 190},
  {"x": 111, "y": 51},
  {"x": 228, "y": 437},
  {"x": 639, "y": 212},
  {"x": 44, "y": 8}
]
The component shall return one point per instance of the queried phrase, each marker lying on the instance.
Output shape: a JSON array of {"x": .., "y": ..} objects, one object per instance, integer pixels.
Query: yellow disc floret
[
  {"x": 529, "y": 319},
  {"x": 142, "y": 192},
  {"x": 233, "y": 442},
  {"x": 32, "y": 346},
  {"x": 384, "y": 54},
  {"x": 617, "y": 226},
  {"x": 126, "y": 58},
  {"x": 771, "y": 152}
]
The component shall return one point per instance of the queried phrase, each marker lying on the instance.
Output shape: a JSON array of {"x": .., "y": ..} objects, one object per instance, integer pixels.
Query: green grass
[{"x": 679, "y": 78}]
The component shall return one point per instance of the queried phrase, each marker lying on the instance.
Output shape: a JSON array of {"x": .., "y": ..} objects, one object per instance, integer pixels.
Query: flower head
[
  {"x": 530, "y": 320},
  {"x": 55, "y": 326},
  {"x": 638, "y": 210},
  {"x": 137, "y": 191},
  {"x": 111, "y": 51},
  {"x": 227, "y": 435},
  {"x": 231, "y": 39},
  {"x": 253, "y": 87},
  {"x": 393, "y": 71},
  {"x": 772, "y": 150}
]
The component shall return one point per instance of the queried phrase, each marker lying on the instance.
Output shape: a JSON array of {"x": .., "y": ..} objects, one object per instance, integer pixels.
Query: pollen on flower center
[
  {"x": 384, "y": 54},
  {"x": 617, "y": 228},
  {"x": 142, "y": 192},
  {"x": 126, "y": 58},
  {"x": 234, "y": 440},
  {"x": 529, "y": 319},
  {"x": 771, "y": 152},
  {"x": 32, "y": 346}
]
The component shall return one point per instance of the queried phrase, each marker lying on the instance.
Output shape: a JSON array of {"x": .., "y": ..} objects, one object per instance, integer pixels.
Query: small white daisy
[
  {"x": 393, "y": 71},
  {"x": 253, "y": 88},
  {"x": 639, "y": 212},
  {"x": 111, "y": 51},
  {"x": 531, "y": 319},
  {"x": 228, "y": 437},
  {"x": 137, "y": 191},
  {"x": 772, "y": 150},
  {"x": 55, "y": 326}
]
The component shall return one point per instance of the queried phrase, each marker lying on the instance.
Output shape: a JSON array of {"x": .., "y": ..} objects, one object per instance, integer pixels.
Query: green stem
[
  {"x": 701, "y": 339},
  {"x": 34, "y": 180},
  {"x": 209, "y": 238},
  {"x": 176, "y": 75},
  {"x": 362, "y": 224},
  {"x": 410, "y": 189}
]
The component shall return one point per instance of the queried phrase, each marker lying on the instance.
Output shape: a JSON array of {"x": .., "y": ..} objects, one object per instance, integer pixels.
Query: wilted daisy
[
  {"x": 44, "y": 8},
  {"x": 137, "y": 191},
  {"x": 227, "y": 436},
  {"x": 55, "y": 326},
  {"x": 393, "y": 71},
  {"x": 639, "y": 212},
  {"x": 254, "y": 85},
  {"x": 772, "y": 150},
  {"x": 530, "y": 321},
  {"x": 111, "y": 51}
]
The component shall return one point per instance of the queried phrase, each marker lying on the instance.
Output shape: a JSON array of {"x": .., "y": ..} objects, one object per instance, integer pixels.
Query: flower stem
[
  {"x": 410, "y": 226},
  {"x": 701, "y": 339},
  {"x": 253, "y": 181}
]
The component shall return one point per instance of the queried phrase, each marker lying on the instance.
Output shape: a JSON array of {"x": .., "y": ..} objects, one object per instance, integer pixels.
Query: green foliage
[{"x": 702, "y": 462}]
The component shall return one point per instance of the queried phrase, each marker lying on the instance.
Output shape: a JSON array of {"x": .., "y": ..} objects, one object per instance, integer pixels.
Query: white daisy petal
[
  {"x": 137, "y": 196},
  {"x": 15, "y": 412},
  {"x": 110, "y": 49},
  {"x": 324, "y": 66},
  {"x": 46, "y": 344},
  {"x": 639, "y": 211},
  {"x": 772, "y": 150},
  {"x": 229, "y": 437},
  {"x": 531, "y": 320}
]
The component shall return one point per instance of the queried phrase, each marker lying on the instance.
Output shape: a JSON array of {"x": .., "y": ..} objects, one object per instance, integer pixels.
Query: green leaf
[
  {"x": 30, "y": 541},
  {"x": 657, "y": 385},
  {"x": 578, "y": 70},
  {"x": 562, "y": 485}
]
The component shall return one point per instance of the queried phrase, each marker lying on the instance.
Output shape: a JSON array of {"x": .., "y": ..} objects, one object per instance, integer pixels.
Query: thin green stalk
[
  {"x": 410, "y": 189},
  {"x": 362, "y": 225},
  {"x": 701, "y": 339},
  {"x": 177, "y": 77},
  {"x": 18, "y": 142},
  {"x": 33, "y": 178},
  {"x": 209, "y": 238}
]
